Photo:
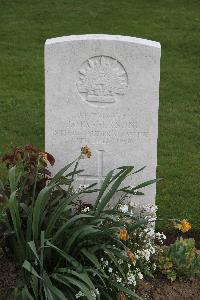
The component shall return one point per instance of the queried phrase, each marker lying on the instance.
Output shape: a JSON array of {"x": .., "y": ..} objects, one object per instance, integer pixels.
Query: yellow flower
[
  {"x": 131, "y": 256},
  {"x": 178, "y": 226},
  {"x": 183, "y": 226},
  {"x": 123, "y": 234},
  {"x": 43, "y": 157},
  {"x": 86, "y": 151},
  {"x": 186, "y": 226}
]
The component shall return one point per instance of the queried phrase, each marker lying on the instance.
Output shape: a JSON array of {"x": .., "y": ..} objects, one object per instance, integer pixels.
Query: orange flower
[
  {"x": 183, "y": 226},
  {"x": 123, "y": 234},
  {"x": 186, "y": 226},
  {"x": 131, "y": 256},
  {"x": 121, "y": 296},
  {"x": 86, "y": 151}
]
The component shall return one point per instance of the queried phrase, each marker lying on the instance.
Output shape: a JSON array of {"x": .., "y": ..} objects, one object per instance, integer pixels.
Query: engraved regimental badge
[{"x": 102, "y": 79}]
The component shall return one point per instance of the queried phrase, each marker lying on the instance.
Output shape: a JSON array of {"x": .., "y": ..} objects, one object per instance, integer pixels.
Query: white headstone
[{"x": 103, "y": 91}]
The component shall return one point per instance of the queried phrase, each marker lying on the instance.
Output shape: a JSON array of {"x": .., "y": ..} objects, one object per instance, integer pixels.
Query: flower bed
[{"x": 66, "y": 248}]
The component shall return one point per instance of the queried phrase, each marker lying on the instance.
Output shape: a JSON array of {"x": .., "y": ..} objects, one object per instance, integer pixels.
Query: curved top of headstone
[{"x": 106, "y": 37}]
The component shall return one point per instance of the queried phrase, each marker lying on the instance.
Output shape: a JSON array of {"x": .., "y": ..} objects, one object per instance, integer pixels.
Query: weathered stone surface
[{"x": 103, "y": 91}]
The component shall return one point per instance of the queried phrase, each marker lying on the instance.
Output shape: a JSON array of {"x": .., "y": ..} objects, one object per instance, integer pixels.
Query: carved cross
[{"x": 99, "y": 178}]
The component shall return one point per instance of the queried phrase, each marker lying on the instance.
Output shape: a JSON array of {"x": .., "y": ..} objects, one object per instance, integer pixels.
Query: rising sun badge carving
[{"x": 102, "y": 79}]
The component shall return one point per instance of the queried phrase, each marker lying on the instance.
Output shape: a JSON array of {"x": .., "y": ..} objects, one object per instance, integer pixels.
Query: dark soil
[
  {"x": 161, "y": 289},
  {"x": 172, "y": 236},
  {"x": 9, "y": 275}
]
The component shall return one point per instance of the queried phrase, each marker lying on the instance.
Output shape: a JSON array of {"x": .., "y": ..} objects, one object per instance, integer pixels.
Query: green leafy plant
[
  {"x": 184, "y": 255},
  {"x": 27, "y": 176},
  {"x": 180, "y": 260},
  {"x": 166, "y": 266},
  {"x": 58, "y": 240}
]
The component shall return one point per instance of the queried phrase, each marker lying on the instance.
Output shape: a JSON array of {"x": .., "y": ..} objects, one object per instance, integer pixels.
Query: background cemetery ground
[{"x": 25, "y": 25}]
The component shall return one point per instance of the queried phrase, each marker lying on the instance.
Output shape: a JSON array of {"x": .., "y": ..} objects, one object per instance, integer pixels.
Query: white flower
[
  {"x": 150, "y": 208},
  {"x": 140, "y": 275},
  {"x": 110, "y": 270},
  {"x": 119, "y": 279},
  {"x": 106, "y": 262},
  {"x": 152, "y": 250},
  {"x": 131, "y": 278},
  {"x": 131, "y": 213},
  {"x": 163, "y": 236},
  {"x": 80, "y": 294},
  {"x": 150, "y": 218},
  {"x": 82, "y": 187},
  {"x": 144, "y": 254},
  {"x": 123, "y": 208},
  {"x": 86, "y": 209},
  {"x": 160, "y": 236},
  {"x": 93, "y": 294},
  {"x": 97, "y": 291},
  {"x": 154, "y": 208},
  {"x": 153, "y": 219},
  {"x": 154, "y": 266},
  {"x": 150, "y": 232}
]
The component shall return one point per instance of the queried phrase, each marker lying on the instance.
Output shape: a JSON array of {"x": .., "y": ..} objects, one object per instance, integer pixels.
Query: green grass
[{"x": 26, "y": 24}]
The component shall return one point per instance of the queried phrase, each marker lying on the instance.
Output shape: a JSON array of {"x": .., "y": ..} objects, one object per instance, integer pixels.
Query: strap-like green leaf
[
  {"x": 13, "y": 179},
  {"x": 93, "y": 258},
  {"x": 33, "y": 248},
  {"x": 69, "y": 258},
  {"x": 63, "y": 206},
  {"x": 120, "y": 287},
  {"x": 51, "y": 290},
  {"x": 81, "y": 275},
  {"x": 15, "y": 215},
  {"x": 101, "y": 275},
  {"x": 27, "y": 266},
  {"x": 78, "y": 283},
  {"x": 104, "y": 186},
  {"x": 69, "y": 224},
  {"x": 60, "y": 173},
  {"x": 115, "y": 261},
  {"x": 26, "y": 294},
  {"x": 57, "y": 293},
  {"x": 105, "y": 200},
  {"x": 146, "y": 183},
  {"x": 34, "y": 284},
  {"x": 38, "y": 210},
  {"x": 78, "y": 234}
]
